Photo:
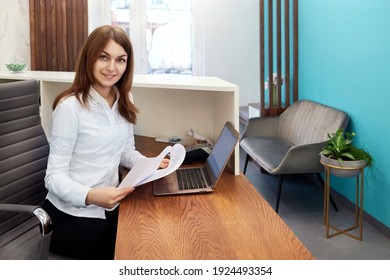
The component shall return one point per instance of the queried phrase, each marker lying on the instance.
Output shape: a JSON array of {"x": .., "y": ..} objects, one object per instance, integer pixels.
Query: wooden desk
[{"x": 234, "y": 222}]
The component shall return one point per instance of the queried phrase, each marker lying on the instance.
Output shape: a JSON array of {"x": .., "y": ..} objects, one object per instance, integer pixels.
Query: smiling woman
[
  {"x": 105, "y": 48},
  {"x": 108, "y": 69},
  {"x": 92, "y": 134}
]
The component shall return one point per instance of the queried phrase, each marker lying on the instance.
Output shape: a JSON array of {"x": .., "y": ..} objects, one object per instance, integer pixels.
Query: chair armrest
[
  {"x": 262, "y": 126},
  {"x": 301, "y": 159},
  {"x": 33, "y": 210}
]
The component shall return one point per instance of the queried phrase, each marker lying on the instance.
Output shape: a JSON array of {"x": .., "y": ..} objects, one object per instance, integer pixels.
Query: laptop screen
[{"x": 221, "y": 152}]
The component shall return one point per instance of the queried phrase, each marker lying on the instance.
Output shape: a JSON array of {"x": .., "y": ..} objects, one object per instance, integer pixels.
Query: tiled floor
[{"x": 301, "y": 207}]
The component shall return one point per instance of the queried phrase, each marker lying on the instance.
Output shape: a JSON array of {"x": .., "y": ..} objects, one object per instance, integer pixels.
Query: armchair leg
[
  {"x": 280, "y": 183},
  {"x": 246, "y": 163},
  {"x": 322, "y": 183}
]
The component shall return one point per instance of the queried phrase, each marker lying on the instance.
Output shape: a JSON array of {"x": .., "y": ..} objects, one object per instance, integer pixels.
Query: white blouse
[{"x": 87, "y": 146}]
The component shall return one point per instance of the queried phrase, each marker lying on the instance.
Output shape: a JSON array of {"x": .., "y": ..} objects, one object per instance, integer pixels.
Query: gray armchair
[
  {"x": 25, "y": 228},
  {"x": 290, "y": 143}
]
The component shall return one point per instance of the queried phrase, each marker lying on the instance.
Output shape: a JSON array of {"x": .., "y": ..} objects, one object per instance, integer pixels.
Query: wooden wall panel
[
  {"x": 274, "y": 43},
  {"x": 287, "y": 52},
  {"x": 270, "y": 57},
  {"x": 295, "y": 31},
  {"x": 58, "y": 29},
  {"x": 262, "y": 78}
]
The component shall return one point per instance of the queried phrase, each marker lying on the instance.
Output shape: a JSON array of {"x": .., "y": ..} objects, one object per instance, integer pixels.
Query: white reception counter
[{"x": 169, "y": 104}]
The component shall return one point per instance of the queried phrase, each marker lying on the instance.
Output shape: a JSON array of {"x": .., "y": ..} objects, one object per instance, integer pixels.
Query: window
[{"x": 161, "y": 32}]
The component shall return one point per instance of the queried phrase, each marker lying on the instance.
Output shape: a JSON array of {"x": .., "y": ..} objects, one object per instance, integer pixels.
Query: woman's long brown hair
[{"x": 90, "y": 52}]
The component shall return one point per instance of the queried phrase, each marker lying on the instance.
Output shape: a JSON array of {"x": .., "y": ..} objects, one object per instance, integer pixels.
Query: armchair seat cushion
[{"x": 267, "y": 151}]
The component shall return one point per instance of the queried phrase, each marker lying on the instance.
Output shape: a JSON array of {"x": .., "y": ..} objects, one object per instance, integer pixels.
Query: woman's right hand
[{"x": 107, "y": 197}]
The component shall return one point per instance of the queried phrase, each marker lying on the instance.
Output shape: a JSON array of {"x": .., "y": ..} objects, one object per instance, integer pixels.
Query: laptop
[{"x": 201, "y": 179}]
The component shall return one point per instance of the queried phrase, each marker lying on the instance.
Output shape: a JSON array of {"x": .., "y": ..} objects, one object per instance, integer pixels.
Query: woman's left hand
[{"x": 164, "y": 163}]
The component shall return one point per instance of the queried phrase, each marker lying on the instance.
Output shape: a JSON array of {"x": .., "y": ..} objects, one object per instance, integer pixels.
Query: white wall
[
  {"x": 232, "y": 44},
  {"x": 14, "y": 31}
]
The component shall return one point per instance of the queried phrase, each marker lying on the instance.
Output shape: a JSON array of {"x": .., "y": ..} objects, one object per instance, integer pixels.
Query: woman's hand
[
  {"x": 107, "y": 197},
  {"x": 164, "y": 163}
]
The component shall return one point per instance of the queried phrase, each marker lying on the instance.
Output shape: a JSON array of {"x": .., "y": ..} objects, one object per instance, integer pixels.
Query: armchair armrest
[
  {"x": 40, "y": 214},
  {"x": 262, "y": 126},
  {"x": 301, "y": 159}
]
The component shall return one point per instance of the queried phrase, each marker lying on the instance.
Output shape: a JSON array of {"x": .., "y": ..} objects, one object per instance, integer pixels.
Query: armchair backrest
[
  {"x": 306, "y": 122},
  {"x": 24, "y": 150}
]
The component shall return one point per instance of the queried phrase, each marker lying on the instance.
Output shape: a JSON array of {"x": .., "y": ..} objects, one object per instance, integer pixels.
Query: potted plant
[{"x": 345, "y": 158}]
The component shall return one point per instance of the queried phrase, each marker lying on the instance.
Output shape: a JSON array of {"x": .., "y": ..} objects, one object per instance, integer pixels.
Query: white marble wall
[{"x": 14, "y": 30}]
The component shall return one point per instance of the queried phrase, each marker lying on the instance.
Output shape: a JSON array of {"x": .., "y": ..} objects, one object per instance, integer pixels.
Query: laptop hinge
[{"x": 207, "y": 177}]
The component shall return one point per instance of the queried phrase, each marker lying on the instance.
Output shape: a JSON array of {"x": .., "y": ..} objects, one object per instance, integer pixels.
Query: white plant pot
[{"x": 349, "y": 168}]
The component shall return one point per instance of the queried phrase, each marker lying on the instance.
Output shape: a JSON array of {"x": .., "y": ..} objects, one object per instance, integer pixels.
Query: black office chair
[{"x": 25, "y": 228}]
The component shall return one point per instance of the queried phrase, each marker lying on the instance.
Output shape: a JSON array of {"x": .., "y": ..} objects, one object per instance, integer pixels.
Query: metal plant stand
[{"x": 359, "y": 171}]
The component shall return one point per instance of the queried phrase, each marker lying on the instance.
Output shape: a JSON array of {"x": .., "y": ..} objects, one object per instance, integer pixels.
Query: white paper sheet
[{"x": 146, "y": 169}]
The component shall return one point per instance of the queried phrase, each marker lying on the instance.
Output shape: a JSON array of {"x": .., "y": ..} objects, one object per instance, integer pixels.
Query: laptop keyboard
[{"x": 190, "y": 179}]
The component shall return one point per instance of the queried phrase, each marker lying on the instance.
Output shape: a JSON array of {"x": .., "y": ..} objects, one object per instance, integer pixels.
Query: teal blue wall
[{"x": 344, "y": 61}]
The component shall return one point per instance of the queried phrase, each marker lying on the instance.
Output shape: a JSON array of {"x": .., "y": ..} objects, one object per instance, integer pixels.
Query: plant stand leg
[
  {"x": 326, "y": 199},
  {"x": 322, "y": 183},
  {"x": 358, "y": 208}
]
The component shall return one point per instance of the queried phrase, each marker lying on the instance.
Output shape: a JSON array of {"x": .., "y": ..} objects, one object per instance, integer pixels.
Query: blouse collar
[{"x": 98, "y": 98}]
